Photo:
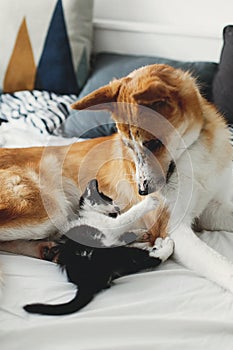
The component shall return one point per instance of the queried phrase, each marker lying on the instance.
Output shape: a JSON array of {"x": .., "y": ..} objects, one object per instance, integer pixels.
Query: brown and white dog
[{"x": 170, "y": 140}]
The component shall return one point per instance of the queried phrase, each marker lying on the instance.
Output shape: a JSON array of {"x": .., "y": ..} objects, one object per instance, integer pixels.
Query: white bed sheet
[
  {"x": 168, "y": 308},
  {"x": 22, "y": 135}
]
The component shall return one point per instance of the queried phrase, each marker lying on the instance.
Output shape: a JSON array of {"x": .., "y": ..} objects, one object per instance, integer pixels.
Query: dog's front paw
[{"x": 162, "y": 249}]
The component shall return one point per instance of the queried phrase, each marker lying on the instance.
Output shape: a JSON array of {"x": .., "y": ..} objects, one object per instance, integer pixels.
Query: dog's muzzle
[
  {"x": 148, "y": 184},
  {"x": 146, "y": 187}
]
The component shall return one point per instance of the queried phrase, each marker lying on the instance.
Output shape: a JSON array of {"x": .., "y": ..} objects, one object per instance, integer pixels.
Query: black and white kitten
[{"x": 90, "y": 251}]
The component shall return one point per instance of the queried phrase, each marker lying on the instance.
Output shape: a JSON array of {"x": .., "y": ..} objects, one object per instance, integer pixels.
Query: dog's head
[{"x": 157, "y": 110}]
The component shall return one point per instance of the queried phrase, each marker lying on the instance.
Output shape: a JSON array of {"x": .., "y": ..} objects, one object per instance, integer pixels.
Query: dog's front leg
[
  {"x": 218, "y": 216},
  {"x": 194, "y": 254},
  {"x": 157, "y": 223}
]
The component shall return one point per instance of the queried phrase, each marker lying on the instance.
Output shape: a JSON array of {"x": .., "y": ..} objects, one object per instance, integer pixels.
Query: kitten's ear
[
  {"x": 92, "y": 187},
  {"x": 91, "y": 191}
]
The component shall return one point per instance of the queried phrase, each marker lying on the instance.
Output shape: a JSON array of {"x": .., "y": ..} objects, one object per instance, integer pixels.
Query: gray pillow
[{"x": 223, "y": 81}]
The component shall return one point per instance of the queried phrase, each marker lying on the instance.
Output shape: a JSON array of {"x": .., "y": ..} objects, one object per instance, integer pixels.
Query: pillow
[
  {"x": 223, "y": 82},
  {"x": 107, "y": 66},
  {"x": 231, "y": 133},
  {"x": 42, "y": 110},
  {"x": 45, "y": 45}
]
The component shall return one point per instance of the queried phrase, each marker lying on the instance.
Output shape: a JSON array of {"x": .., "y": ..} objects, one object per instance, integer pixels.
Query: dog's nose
[
  {"x": 144, "y": 189},
  {"x": 143, "y": 192}
]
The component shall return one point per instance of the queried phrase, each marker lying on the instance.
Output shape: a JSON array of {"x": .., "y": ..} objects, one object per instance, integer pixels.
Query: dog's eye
[
  {"x": 157, "y": 104},
  {"x": 153, "y": 145}
]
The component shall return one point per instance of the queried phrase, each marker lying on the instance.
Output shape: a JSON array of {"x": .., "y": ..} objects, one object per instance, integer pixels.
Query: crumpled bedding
[
  {"x": 166, "y": 308},
  {"x": 25, "y": 136}
]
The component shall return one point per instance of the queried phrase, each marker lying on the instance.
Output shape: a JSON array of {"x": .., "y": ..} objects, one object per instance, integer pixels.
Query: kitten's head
[{"x": 93, "y": 199}]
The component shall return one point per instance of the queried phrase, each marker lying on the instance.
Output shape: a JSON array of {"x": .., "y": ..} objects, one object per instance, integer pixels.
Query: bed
[{"x": 169, "y": 307}]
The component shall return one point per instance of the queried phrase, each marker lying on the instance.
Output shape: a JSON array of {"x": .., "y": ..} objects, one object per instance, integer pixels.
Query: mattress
[{"x": 169, "y": 307}]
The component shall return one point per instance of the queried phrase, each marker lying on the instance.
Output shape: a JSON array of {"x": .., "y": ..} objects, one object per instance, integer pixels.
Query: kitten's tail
[{"x": 81, "y": 299}]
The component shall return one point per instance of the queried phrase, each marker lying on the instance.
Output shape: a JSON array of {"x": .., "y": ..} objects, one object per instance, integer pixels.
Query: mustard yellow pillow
[{"x": 45, "y": 45}]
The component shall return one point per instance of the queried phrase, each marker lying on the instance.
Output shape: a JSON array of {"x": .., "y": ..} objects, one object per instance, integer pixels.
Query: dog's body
[{"x": 186, "y": 155}]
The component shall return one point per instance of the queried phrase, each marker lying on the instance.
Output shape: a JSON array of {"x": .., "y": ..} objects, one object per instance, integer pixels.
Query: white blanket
[
  {"x": 168, "y": 308},
  {"x": 25, "y": 136}
]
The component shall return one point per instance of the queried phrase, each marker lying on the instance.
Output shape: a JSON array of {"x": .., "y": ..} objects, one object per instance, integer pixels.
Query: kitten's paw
[
  {"x": 48, "y": 250},
  {"x": 162, "y": 249}
]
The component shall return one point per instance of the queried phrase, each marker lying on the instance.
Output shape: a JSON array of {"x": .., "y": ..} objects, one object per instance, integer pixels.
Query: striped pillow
[
  {"x": 45, "y": 111},
  {"x": 231, "y": 130},
  {"x": 45, "y": 45}
]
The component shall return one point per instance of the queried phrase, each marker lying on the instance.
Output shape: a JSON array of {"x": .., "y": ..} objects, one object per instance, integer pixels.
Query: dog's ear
[
  {"x": 100, "y": 98},
  {"x": 154, "y": 92}
]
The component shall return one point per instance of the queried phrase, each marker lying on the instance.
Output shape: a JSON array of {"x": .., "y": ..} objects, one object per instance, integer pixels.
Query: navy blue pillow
[{"x": 107, "y": 66}]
